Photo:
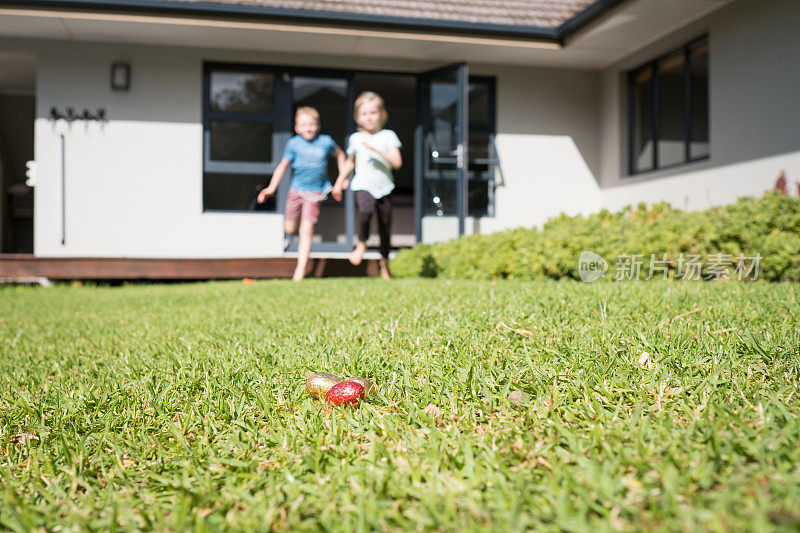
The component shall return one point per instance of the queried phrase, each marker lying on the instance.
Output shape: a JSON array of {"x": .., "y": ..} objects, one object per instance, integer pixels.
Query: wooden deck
[{"x": 27, "y": 266}]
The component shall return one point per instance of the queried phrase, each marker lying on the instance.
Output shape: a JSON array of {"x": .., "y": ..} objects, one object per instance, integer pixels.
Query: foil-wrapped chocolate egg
[
  {"x": 369, "y": 387},
  {"x": 320, "y": 383},
  {"x": 345, "y": 393}
]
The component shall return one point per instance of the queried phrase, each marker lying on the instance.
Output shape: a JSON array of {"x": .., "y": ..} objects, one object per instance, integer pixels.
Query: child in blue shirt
[{"x": 307, "y": 153}]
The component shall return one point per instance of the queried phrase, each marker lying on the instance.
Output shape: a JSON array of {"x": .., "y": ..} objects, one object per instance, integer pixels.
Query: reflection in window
[
  {"x": 241, "y": 141},
  {"x": 698, "y": 56},
  {"x": 234, "y": 192},
  {"x": 444, "y": 107},
  {"x": 642, "y": 134},
  {"x": 249, "y": 92},
  {"x": 671, "y": 111},
  {"x": 321, "y": 90},
  {"x": 479, "y": 103},
  {"x": 668, "y": 122},
  {"x": 238, "y": 128}
]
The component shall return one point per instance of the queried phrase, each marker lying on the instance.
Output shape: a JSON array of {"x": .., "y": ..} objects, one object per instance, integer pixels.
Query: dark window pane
[
  {"x": 241, "y": 141},
  {"x": 440, "y": 197},
  {"x": 642, "y": 123},
  {"x": 444, "y": 108},
  {"x": 699, "y": 141},
  {"x": 479, "y": 153},
  {"x": 479, "y": 103},
  {"x": 671, "y": 111},
  {"x": 241, "y": 91},
  {"x": 439, "y": 194},
  {"x": 235, "y": 192},
  {"x": 480, "y": 179},
  {"x": 478, "y": 198}
]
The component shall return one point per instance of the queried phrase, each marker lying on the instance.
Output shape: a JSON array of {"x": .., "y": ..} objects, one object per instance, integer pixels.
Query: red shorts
[{"x": 303, "y": 205}]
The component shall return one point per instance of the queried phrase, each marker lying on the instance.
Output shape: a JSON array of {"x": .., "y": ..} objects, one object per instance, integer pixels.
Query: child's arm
[
  {"x": 392, "y": 155},
  {"x": 277, "y": 176},
  {"x": 345, "y": 169},
  {"x": 341, "y": 157}
]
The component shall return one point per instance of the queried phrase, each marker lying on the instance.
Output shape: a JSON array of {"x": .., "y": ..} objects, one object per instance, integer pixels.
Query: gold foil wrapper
[
  {"x": 369, "y": 387},
  {"x": 320, "y": 383}
]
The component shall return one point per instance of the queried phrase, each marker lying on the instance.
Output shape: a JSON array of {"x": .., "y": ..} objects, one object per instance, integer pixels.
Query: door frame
[
  {"x": 461, "y": 70},
  {"x": 284, "y": 128},
  {"x": 288, "y": 74}
]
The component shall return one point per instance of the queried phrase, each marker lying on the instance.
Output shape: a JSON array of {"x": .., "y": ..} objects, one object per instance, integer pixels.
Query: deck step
[{"x": 26, "y": 267}]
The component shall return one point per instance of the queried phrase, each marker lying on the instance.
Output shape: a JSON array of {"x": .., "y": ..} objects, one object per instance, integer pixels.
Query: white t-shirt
[{"x": 373, "y": 173}]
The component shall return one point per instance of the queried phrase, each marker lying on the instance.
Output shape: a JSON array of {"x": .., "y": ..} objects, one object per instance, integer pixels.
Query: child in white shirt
[{"x": 373, "y": 152}]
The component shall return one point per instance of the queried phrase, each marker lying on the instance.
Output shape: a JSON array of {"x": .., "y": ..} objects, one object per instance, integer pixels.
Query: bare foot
[
  {"x": 358, "y": 254},
  {"x": 298, "y": 275},
  {"x": 383, "y": 264}
]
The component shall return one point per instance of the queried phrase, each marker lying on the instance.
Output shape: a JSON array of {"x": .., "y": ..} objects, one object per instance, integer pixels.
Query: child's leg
[
  {"x": 365, "y": 205},
  {"x": 292, "y": 211},
  {"x": 303, "y": 249},
  {"x": 289, "y": 227},
  {"x": 384, "y": 211},
  {"x": 308, "y": 218}
]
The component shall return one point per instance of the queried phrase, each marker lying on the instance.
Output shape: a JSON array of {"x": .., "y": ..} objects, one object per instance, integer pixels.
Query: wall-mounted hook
[
  {"x": 71, "y": 116},
  {"x": 55, "y": 115}
]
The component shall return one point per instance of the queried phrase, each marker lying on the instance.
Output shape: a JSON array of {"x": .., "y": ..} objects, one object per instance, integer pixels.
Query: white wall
[
  {"x": 134, "y": 184},
  {"x": 547, "y": 125},
  {"x": 754, "y": 112}
]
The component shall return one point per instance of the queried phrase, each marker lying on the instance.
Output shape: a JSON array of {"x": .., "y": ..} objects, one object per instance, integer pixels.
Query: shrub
[{"x": 769, "y": 226}]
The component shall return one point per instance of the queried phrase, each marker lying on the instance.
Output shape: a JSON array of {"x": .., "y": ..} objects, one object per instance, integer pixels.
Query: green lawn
[{"x": 182, "y": 407}]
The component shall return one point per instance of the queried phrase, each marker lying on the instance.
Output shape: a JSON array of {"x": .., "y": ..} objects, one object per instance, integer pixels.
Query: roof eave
[
  {"x": 306, "y": 15},
  {"x": 585, "y": 17}
]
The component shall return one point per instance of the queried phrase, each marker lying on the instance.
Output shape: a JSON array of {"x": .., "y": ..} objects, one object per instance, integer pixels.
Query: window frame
[
  {"x": 282, "y": 119},
  {"x": 278, "y": 119},
  {"x": 652, "y": 67}
]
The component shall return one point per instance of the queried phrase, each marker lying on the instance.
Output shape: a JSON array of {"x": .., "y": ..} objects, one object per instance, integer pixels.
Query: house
[{"x": 151, "y": 124}]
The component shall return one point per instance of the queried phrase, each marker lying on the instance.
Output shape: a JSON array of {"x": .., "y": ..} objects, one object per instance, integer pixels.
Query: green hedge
[{"x": 769, "y": 226}]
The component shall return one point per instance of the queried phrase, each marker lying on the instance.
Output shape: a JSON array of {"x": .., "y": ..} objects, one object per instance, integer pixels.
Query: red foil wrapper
[{"x": 345, "y": 393}]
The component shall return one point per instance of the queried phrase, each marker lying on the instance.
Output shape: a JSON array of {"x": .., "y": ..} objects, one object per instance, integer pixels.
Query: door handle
[{"x": 459, "y": 153}]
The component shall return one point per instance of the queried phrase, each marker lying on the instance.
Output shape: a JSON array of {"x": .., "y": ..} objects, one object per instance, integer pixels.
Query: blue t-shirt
[{"x": 310, "y": 162}]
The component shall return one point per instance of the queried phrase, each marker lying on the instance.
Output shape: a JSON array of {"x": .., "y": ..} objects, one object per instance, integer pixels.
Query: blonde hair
[
  {"x": 306, "y": 110},
  {"x": 371, "y": 97}
]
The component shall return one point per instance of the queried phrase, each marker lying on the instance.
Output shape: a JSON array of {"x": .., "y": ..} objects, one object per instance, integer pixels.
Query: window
[
  {"x": 668, "y": 109},
  {"x": 238, "y": 137}
]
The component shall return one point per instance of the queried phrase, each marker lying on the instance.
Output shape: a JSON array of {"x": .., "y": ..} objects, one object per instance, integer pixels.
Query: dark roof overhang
[{"x": 224, "y": 10}]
